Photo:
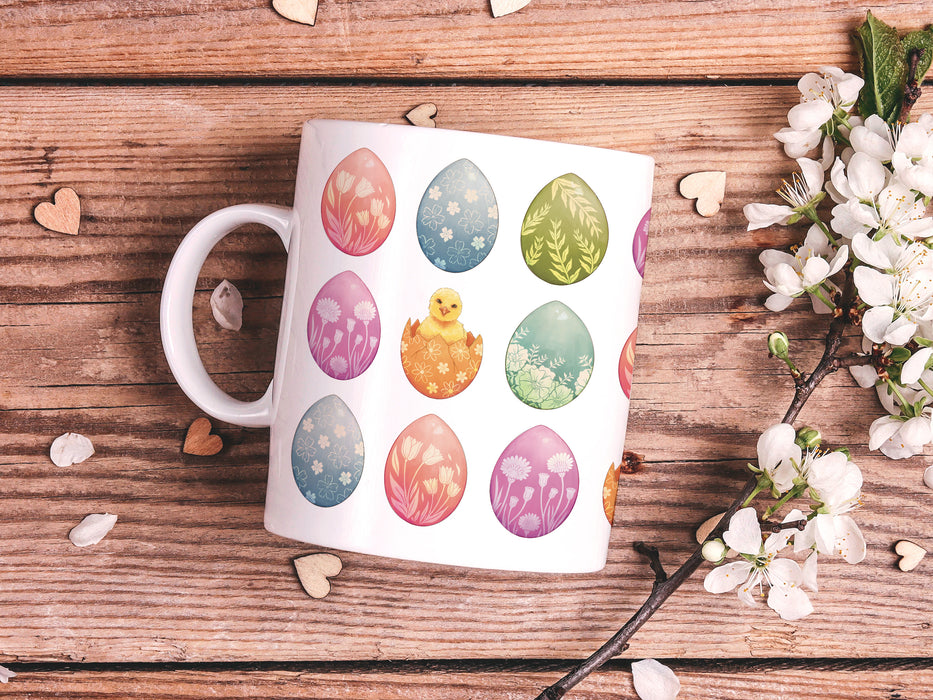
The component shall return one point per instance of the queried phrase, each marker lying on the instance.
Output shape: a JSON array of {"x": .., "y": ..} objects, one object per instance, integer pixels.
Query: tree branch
[{"x": 664, "y": 586}]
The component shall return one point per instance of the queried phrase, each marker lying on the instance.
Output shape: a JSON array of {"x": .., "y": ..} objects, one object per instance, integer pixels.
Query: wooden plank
[
  {"x": 190, "y": 575},
  {"x": 712, "y": 683},
  {"x": 455, "y": 40}
]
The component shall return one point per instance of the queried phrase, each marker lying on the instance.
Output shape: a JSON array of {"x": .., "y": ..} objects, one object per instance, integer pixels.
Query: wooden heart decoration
[
  {"x": 199, "y": 440},
  {"x": 707, "y": 188},
  {"x": 62, "y": 214},
  {"x": 506, "y": 7},
  {"x": 303, "y": 11},
  {"x": 314, "y": 570},
  {"x": 423, "y": 115},
  {"x": 911, "y": 554}
]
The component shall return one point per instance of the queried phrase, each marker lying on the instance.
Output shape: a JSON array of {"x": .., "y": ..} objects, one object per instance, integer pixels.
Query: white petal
[
  {"x": 776, "y": 444},
  {"x": 805, "y": 539},
  {"x": 875, "y": 288},
  {"x": 815, "y": 270},
  {"x": 778, "y": 302},
  {"x": 849, "y": 540},
  {"x": 881, "y": 430},
  {"x": 875, "y": 321},
  {"x": 825, "y": 533},
  {"x": 914, "y": 367},
  {"x": 864, "y": 140},
  {"x": 826, "y": 472},
  {"x": 70, "y": 448},
  {"x": 809, "y": 115},
  {"x": 812, "y": 171},
  {"x": 866, "y": 176},
  {"x": 785, "y": 279},
  {"x": 764, "y": 215},
  {"x": 654, "y": 680},
  {"x": 841, "y": 258},
  {"x": 864, "y": 375},
  {"x": 809, "y": 571},
  {"x": 900, "y": 331},
  {"x": 744, "y": 533},
  {"x": 770, "y": 258},
  {"x": 6, "y": 674},
  {"x": 747, "y": 591},
  {"x": 840, "y": 192},
  {"x": 790, "y": 602},
  {"x": 916, "y": 431},
  {"x": 227, "y": 306},
  {"x": 726, "y": 577},
  {"x": 92, "y": 529}
]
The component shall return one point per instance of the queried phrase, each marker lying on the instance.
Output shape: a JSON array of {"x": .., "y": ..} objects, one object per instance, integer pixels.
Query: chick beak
[{"x": 445, "y": 310}]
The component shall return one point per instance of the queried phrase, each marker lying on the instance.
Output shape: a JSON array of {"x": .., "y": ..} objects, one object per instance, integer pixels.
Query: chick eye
[
  {"x": 453, "y": 306},
  {"x": 439, "y": 301}
]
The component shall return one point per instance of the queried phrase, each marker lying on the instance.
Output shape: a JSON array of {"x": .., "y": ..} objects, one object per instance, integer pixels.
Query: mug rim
[{"x": 426, "y": 132}]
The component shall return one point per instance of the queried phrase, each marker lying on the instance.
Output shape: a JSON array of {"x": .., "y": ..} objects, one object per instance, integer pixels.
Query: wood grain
[
  {"x": 442, "y": 40},
  {"x": 189, "y": 575},
  {"x": 433, "y": 682}
]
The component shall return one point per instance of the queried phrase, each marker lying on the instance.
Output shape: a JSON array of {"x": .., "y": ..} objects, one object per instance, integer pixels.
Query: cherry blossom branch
[
  {"x": 844, "y": 314},
  {"x": 912, "y": 89}
]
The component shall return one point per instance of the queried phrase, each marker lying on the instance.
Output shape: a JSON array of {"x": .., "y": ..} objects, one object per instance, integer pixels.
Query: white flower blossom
[
  {"x": 803, "y": 191},
  {"x": 821, "y": 96},
  {"x": 789, "y": 276},
  {"x": 759, "y": 565},
  {"x": 779, "y": 455}
]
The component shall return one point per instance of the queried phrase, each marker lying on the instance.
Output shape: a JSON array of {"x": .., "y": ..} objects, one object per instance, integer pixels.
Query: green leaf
[
  {"x": 884, "y": 67},
  {"x": 923, "y": 41}
]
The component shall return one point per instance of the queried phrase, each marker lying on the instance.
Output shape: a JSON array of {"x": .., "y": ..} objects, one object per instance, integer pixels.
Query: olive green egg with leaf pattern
[{"x": 565, "y": 232}]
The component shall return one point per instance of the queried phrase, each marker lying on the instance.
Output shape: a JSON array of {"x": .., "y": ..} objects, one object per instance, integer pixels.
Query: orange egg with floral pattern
[
  {"x": 439, "y": 356},
  {"x": 426, "y": 472},
  {"x": 610, "y": 490}
]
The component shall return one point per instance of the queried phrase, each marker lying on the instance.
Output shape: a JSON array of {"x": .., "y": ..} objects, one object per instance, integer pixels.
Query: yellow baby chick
[{"x": 445, "y": 307}]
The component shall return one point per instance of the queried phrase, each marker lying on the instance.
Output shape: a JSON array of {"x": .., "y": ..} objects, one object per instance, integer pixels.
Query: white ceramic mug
[{"x": 455, "y": 347}]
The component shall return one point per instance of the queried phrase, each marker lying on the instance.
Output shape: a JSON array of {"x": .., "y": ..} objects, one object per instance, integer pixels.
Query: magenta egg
[
  {"x": 358, "y": 205},
  {"x": 640, "y": 243},
  {"x": 425, "y": 472},
  {"x": 534, "y": 484},
  {"x": 343, "y": 327}
]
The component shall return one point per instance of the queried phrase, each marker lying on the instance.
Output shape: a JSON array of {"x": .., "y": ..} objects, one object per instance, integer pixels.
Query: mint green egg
[
  {"x": 549, "y": 359},
  {"x": 565, "y": 232}
]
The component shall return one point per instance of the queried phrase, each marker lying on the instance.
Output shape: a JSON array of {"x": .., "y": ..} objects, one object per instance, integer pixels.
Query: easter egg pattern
[
  {"x": 344, "y": 327},
  {"x": 358, "y": 205},
  {"x": 437, "y": 368},
  {"x": 550, "y": 357},
  {"x": 458, "y": 218},
  {"x": 327, "y": 452},
  {"x": 425, "y": 472},
  {"x": 534, "y": 484},
  {"x": 610, "y": 490},
  {"x": 640, "y": 243},
  {"x": 627, "y": 364},
  {"x": 565, "y": 232}
]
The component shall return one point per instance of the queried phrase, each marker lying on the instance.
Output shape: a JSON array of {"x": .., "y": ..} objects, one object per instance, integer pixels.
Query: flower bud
[
  {"x": 808, "y": 438},
  {"x": 778, "y": 345},
  {"x": 714, "y": 551}
]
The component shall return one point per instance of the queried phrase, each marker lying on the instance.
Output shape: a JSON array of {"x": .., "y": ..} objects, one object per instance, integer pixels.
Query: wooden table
[{"x": 158, "y": 113}]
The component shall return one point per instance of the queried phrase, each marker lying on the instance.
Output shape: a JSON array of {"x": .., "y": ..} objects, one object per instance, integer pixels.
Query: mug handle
[{"x": 176, "y": 322}]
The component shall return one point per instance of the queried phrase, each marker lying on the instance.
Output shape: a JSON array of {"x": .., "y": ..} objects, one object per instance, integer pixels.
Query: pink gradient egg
[
  {"x": 534, "y": 484},
  {"x": 358, "y": 205},
  {"x": 344, "y": 327},
  {"x": 425, "y": 472}
]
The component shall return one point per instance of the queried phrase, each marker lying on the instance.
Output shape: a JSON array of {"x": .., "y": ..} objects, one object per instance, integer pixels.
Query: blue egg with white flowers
[{"x": 458, "y": 218}]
